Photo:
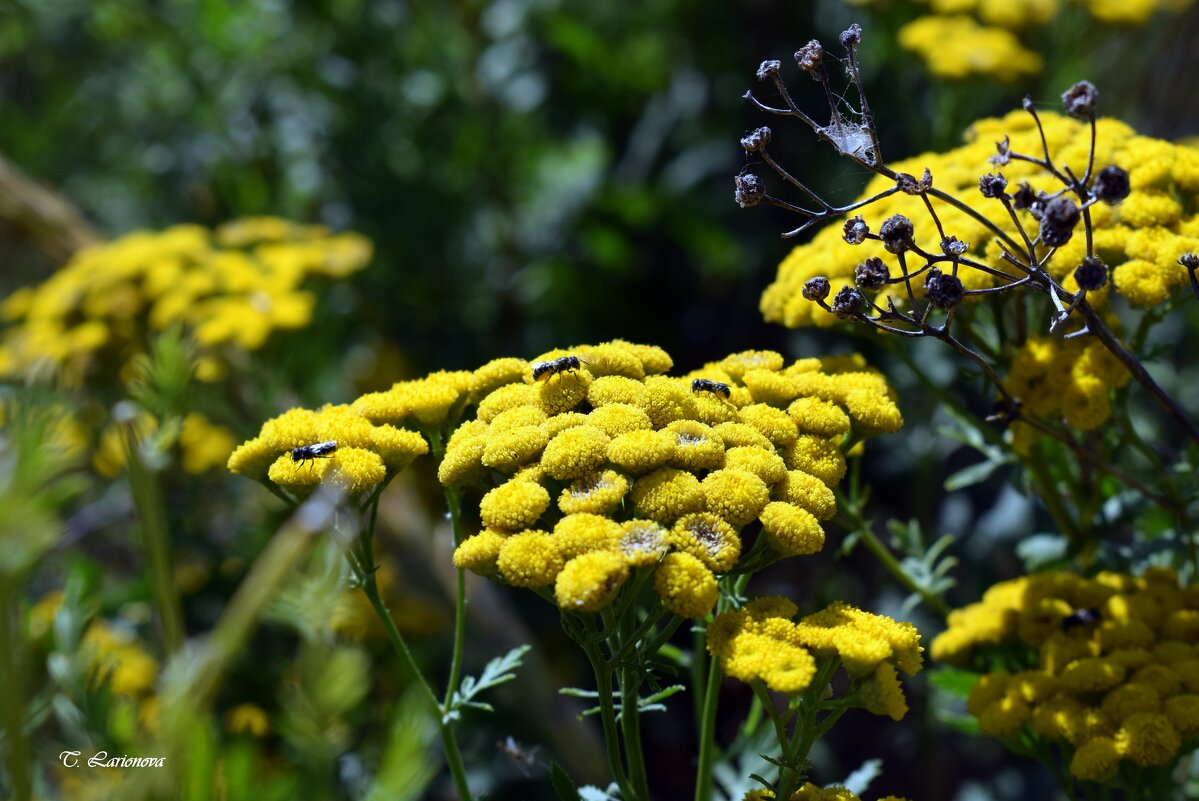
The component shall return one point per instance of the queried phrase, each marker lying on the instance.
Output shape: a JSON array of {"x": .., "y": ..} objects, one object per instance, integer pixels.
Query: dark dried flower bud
[
  {"x": 952, "y": 246},
  {"x": 1003, "y": 152},
  {"x": 1080, "y": 99},
  {"x": 847, "y": 303},
  {"x": 1091, "y": 274},
  {"x": 992, "y": 185},
  {"x": 1023, "y": 198},
  {"x": 855, "y": 230},
  {"x": 810, "y": 58},
  {"x": 1111, "y": 185},
  {"x": 769, "y": 68},
  {"x": 756, "y": 140},
  {"x": 944, "y": 291},
  {"x": 871, "y": 274},
  {"x": 851, "y": 37},
  {"x": 817, "y": 288},
  {"x": 896, "y": 233},
  {"x": 749, "y": 190},
  {"x": 910, "y": 186},
  {"x": 1189, "y": 260},
  {"x": 1058, "y": 219}
]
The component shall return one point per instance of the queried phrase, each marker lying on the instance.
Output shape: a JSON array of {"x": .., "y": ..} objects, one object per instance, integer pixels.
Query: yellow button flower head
[
  {"x": 642, "y": 542},
  {"x": 1148, "y": 739},
  {"x": 709, "y": 538},
  {"x": 479, "y": 553},
  {"x": 642, "y": 451},
  {"x": 529, "y": 559},
  {"x": 792, "y": 529},
  {"x": 667, "y": 494},
  {"x": 581, "y": 533},
  {"x": 599, "y": 493},
  {"x": 590, "y": 581},
  {"x": 1095, "y": 760},
  {"x": 882, "y": 694},
  {"x": 644, "y": 466},
  {"x": 576, "y": 452},
  {"x": 738, "y": 496},
  {"x": 686, "y": 586},
  {"x": 514, "y": 506}
]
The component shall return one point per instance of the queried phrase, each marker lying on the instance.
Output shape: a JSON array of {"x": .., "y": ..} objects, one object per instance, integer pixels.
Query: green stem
[
  {"x": 806, "y": 731},
  {"x": 12, "y": 674},
  {"x": 151, "y": 510},
  {"x": 363, "y": 567},
  {"x": 630, "y": 712},
  {"x": 454, "y": 502},
  {"x": 630, "y": 726},
  {"x": 888, "y": 561},
  {"x": 1039, "y": 470},
  {"x": 607, "y": 707},
  {"x": 707, "y": 733}
]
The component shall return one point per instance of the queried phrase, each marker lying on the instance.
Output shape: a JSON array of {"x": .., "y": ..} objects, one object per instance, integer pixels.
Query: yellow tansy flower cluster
[
  {"x": 957, "y": 47},
  {"x": 1063, "y": 379},
  {"x": 761, "y": 643},
  {"x": 968, "y": 38},
  {"x": 1141, "y": 238},
  {"x": 1116, "y": 673},
  {"x": 810, "y": 792},
  {"x": 231, "y": 287},
  {"x": 612, "y": 465},
  {"x": 363, "y": 456}
]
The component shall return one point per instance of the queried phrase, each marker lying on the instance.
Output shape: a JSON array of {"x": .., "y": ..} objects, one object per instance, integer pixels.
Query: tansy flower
[
  {"x": 667, "y": 494},
  {"x": 735, "y": 495},
  {"x": 882, "y": 694},
  {"x": 642, "y": 451},
  {"x": 590, "y": 581},
  {"x": 642, "y": 542},
  {"x": 599, "y": 493},
  {"x": 529, "y": 559},
  {"x": 1148, "y": 739},
  {"x": 479, "y": 553},
  {"x": 514, "y": 505},
  {"x": 709, "y": 538},
  {"x": 792, "y": 530},
  {"x": 1095, "y": 760},
  {"x": 685, "y": 585},
  {"x": 581, "y": 533}
]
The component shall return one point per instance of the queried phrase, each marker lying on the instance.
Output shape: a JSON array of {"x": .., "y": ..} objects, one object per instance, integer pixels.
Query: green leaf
[
  {"x": 496, "y": 672},
  {"x": 969, "y": 476},
  {"x": 563, "y": 786}
]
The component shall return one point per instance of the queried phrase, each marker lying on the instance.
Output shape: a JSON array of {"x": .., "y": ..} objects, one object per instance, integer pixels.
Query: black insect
[
  {"x": 523, "y": 758},
  {"x": 317, "y": 450},
  {"x": 1080, "y": 617},
  {"x": 543, "y": 371},
  {"x": 715, "y": 387}
]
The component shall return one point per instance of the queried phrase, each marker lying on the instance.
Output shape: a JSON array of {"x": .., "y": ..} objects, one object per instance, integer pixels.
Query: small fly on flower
[
  {"x": 521, "y": 757},
  {"x": 544, "y": 371},
  {"x": 715, "y": 387},
  {"x": 1080, "y": 617},
  {"x": 317, "y": 450}
]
